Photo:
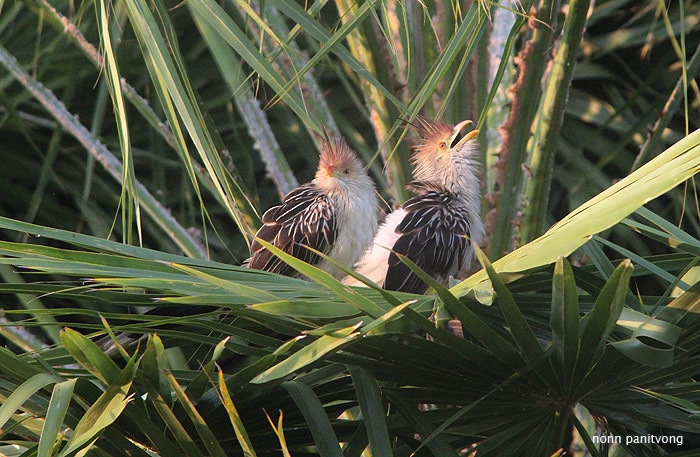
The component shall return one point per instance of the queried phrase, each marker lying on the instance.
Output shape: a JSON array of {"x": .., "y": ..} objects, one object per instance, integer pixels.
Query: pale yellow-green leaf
[
  {"x": 101, "y": 414},
  {"x": 678, "y": 163},
  {"x": 316, "y": 350}
]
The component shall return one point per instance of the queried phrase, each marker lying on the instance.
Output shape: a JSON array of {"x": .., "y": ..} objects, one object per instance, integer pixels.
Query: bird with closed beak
[
  {"x": 438, "y": 227},
  {"x": 335, "y": 214}
]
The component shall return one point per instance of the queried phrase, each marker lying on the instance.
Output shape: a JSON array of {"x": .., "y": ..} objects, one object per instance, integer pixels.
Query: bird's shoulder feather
[
  {"x": 306, "y": 217},
  {"x": 433, "y": 235}
]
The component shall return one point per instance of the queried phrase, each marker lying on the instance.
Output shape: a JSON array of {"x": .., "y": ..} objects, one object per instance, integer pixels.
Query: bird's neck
[
  {"x": 342, "y": 193},
  {"x": 459, "y": 179}
]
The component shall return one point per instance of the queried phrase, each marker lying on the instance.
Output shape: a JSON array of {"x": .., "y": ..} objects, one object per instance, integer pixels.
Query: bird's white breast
[
  {"x": 375, "y": 261},
  {"x": 357, "y": 225}
]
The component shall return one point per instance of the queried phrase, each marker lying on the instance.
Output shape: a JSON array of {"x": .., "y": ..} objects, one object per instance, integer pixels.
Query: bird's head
[
  {"x": 444, "y": 151},
  {"x": 339, "y": 167}
]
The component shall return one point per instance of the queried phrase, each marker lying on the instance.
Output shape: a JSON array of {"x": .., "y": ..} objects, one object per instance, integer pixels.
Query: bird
[
  {"x": 335, "y": 214},
  {"x": 438, "y": 227}
]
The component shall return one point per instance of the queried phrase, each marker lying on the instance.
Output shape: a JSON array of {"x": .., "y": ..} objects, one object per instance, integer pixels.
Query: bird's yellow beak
[
  {"x": 458, "y": 131},
  {"x": 330, "y": 171}
]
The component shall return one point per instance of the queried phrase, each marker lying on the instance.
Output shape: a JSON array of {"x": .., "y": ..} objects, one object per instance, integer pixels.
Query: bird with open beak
[
  {"x": 437, "y": 228},
  {"x": 335, "y": 214}
]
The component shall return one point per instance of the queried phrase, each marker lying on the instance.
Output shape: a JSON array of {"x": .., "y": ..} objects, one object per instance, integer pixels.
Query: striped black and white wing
[
  {"x": 306, "y": 217},
  {"x": 433, "y": 235}
]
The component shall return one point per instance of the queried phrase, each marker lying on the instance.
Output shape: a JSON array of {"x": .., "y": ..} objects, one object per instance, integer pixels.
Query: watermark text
[{"x": 638, "y": 439}]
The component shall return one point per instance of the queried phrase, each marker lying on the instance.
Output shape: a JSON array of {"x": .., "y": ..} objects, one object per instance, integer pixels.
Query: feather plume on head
[
  {"x": 446, "y": 155},
  {"x": 338, "y": 166}
]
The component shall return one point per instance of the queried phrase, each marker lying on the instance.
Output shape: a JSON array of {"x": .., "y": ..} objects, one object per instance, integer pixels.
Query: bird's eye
[
  {"x": 442, "y": 145},
  {"x": 346, "y": 171}
]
